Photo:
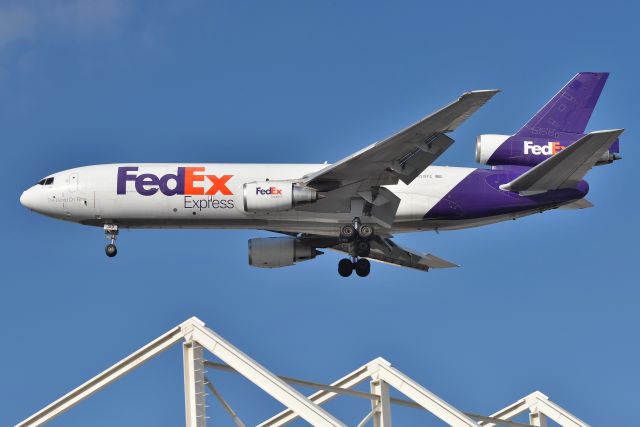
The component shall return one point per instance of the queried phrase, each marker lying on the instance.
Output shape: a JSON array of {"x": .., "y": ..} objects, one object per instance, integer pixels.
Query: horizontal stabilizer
[{"x": 566, "y": 168}]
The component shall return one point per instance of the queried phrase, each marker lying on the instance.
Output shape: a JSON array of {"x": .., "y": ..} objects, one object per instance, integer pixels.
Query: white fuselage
[{"x": 90, "y": 195}]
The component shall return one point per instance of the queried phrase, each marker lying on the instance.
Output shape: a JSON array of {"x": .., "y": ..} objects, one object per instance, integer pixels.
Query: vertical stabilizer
[{"x": 569, "y": 110}]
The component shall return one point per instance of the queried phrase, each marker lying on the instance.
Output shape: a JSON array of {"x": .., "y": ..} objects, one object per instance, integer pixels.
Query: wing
[
  {"x": 404, "y": 155},
  {"x": 354, "y": 184},
  {"x": 566, "y": 168},
  {"x": 384, "y": 249}
]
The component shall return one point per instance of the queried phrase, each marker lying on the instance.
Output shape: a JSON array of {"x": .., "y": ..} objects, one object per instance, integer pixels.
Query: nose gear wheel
[{"x": 111, "y": 233}]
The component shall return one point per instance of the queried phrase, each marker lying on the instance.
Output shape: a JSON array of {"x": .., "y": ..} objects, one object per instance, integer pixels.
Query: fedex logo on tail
[
  {"x": 549, "y": 149},
  {"x": 271, "y": 191},
  {"x": 187, "y": 181}
]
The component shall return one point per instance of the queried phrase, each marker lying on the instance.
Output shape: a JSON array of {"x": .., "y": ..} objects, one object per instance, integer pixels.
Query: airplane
[{"x": 356, "y": 205}]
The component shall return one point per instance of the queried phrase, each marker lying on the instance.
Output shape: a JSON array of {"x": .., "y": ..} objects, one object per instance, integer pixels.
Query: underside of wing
[
  {"x": 387, "y": 251},
  {"x": 381, "y": 248}
]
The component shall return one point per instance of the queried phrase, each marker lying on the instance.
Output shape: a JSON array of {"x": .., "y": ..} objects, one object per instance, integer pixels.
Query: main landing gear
[
  {"x": 358, "y": 235},
  {"x": 110, "y": 233},
  {"x": 361, "y": 266}
]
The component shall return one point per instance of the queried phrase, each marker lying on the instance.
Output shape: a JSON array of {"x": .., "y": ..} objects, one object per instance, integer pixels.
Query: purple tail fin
[{"x": 568, "y": 111}]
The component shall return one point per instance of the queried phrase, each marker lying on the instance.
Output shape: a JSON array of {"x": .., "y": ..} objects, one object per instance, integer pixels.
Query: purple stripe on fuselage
[{"x": 479, "y": 195}]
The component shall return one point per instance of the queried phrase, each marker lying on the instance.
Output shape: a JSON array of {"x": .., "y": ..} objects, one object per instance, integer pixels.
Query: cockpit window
[{"x": 46, "y": 181}]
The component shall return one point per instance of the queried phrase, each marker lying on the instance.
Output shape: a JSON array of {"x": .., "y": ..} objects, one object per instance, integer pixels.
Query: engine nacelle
[
  {"x": 496, "y": 150},
  {"x": 486, "y": 145},
  {"x": 269, "y": 196},
  {"x": 274, "y": 252}
]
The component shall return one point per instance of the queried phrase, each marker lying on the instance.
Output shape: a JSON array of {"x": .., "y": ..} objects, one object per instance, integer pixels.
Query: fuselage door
[{"x": 73, "y": 182}]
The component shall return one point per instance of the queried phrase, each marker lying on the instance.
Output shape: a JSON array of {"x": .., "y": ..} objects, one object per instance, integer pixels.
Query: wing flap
[
  {"x": 385, "y": 250},
  {"x": 566, "y": 168},
  {"x": 577, "y": 204}
]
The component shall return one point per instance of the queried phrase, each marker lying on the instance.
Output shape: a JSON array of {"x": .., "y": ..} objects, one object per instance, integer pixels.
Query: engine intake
[
  {"x": 275, "y": 252},
  {"x": 268, "y": 196}
]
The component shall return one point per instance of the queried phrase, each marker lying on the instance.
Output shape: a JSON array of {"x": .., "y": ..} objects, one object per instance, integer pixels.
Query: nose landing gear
[
  {"x": 110, "y": 233},
  {"x": 111, "y": 250}
]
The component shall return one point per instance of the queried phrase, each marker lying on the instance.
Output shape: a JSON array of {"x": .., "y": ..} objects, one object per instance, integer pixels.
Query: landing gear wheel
[
  {"x": 345, "y": 267},
  {"x": 362, "y": 248},
  {"x": 111, "y": 233},
  {"x": 362, "y": 267},
  {"x": 111, "y": 250},
  {"x": 365, "y": 231},
  {"x": 347, "y": 233}
]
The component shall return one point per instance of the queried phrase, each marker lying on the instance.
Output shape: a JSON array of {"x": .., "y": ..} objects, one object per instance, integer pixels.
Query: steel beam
[
  {"x": 236, "y": 419},
  {"x": 382, "y": 375},
  {"x": 194, "y": 395},
  {"x": 260, "y": 376},
  {"x": 538, "y": 419},
  {"x": 106, "y": 377},
  {"x": 382, "y": 407},
  {"x": 541, "y": 408},
  {"x": 352, "y": 379},
  {"x": 429, "y": 401},
  {"x": 370, "y": 396}
]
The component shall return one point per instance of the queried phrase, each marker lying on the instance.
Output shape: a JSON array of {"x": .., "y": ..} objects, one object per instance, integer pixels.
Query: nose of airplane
[{"x": 27, "y": 199}]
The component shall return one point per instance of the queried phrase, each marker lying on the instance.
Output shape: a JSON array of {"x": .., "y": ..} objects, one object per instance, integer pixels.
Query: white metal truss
[
  {"x": 196, "y": 338},
  {"x": 540, "y": 408}
]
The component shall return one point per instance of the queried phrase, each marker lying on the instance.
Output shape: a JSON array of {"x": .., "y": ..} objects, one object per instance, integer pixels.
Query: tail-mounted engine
[
  {"x": 495, "y": 150},
  {"x": 274, "y": 252},
  {"x": 268, "y": 196},
  {"x": 487, "y": 145}
]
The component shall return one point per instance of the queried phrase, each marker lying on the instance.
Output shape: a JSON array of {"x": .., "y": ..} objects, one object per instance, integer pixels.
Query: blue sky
[{"x": 549, "y": 302}]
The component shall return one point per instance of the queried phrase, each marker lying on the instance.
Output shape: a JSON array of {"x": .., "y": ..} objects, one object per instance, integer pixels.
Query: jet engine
[
  {"x": 495, "y": 150},
  {"x": 274, "y": 252},
  {"x": 486, "y": 145},
  {"x": 269, "y": 196}
]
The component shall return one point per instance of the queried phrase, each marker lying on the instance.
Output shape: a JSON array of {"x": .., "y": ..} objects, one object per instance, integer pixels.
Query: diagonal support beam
[
  {"x": 260, "y": 376},
  {"x": 540, "y": 408},
  {"x": 380, "y": 369},
  {"x": 368, "y": 417},
  {"x": 238, "y": 422},
  {"x": 382, "y": 374},
  {"x": 108, "y": 376},
  {"x": 370, "y": 396},
  {"x": 429, "y": 401},
  {"x": 350, "y": 380}
]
